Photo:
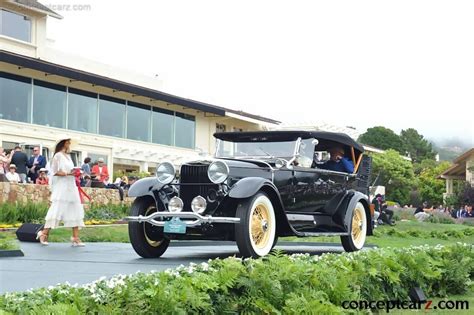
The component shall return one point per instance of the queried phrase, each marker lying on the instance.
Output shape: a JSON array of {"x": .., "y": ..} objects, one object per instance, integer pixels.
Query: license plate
[{"x": 175, "y": 226}]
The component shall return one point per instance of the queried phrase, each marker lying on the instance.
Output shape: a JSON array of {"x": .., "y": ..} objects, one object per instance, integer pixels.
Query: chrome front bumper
[{"x": 198, "y": 219}]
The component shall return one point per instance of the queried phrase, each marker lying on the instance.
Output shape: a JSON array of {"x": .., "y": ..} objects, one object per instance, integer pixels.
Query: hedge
[
  {"x": 278, "y": 284},
  {"x": 12, "y": 213}
]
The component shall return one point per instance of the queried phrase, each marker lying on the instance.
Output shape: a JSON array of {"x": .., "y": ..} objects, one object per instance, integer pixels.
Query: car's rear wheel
[
  {"x": 147, "y": 240},
  {"x": 256, "y": 232},
  {"x": 358, "y": 230}
]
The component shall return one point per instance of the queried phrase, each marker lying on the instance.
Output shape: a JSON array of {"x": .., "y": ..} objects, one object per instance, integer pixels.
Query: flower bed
[{"x": 277, "y": 284}]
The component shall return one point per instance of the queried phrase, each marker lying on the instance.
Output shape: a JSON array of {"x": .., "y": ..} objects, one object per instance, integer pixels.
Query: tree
[
  {"x": 382, "y": 138},
  {"x": 395, "y": 173},
  {"x": 431, "y": 189},
  {"x": 416, "y": 145}
]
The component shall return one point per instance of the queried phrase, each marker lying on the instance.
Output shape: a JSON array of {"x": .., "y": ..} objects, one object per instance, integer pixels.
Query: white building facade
[{"x": 114, "y": 114}]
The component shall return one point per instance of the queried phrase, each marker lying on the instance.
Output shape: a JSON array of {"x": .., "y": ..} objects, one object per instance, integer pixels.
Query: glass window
[
  {"x": 15, "y": 97},
  {"x": 111, "y": 116},
  {"x": 96, "y": 156},
  {"x": 49, "y": 104},
  {"x": 82, "y": 111},
  {"x": 163, "y": 124},
  {"x": 15, "y": 25},
  {"x": 184, "y": 130},
  {"x": 138, "y": 121}
]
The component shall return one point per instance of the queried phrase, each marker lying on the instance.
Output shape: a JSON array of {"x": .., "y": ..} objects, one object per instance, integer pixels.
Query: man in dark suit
[
  {"x": 20, "y": 159},
  {"x": 36, "y": 162}
]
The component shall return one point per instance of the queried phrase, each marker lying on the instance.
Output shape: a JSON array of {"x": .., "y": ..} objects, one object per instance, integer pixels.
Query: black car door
[{"x": 313, "y": 189}]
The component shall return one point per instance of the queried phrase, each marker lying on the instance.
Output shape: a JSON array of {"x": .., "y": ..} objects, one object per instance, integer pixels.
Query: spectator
[
  {"x": 469, "y": 213},
  {"x": 131, "y": 181},
  {"x": 124, "y": 181},
  {"x": 36, "y": 162},
  {"x": 20, "y": 159},
  {"x": 461, "y": 212},
  {"x": 377, "y": 202},
  {"x": 4, "y": 161},
  {"x": 101, "y": 171},
  {"x": 86, "y": 181},
  {"x": 12, "y": 175},
  {"x": 42, "y": 178},
  {"x": 86, "y": 167},
  {"x": 382, "y": 214},
  {"x": 423, "y": 212},
  {"x": 387, "y": 215}
]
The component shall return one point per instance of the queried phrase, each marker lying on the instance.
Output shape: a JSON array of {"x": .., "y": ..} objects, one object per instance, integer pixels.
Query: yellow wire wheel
[
  {"x": 359, "y": 226},
  {"x": 256, "y": 233},
  {"x": 357, "y": 229},
  {"x": 146, "y": 226}
]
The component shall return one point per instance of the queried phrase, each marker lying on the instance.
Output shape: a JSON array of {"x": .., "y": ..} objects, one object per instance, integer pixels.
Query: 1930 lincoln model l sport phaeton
[{"x": 260, "y": 186}]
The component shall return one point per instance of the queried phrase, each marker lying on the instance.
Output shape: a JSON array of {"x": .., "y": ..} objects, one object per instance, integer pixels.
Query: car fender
[
  {"x": 357, "y": 196},
  {"x": 144, "y": 187},
  {"x": 249, "y": 186}
]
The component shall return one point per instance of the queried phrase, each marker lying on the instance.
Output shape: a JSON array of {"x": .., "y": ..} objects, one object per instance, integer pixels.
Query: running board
[{"x": 304, "y": 234}]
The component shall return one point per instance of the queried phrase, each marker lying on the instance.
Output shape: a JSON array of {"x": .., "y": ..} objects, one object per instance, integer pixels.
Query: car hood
[{"x": 235, "y": 163}]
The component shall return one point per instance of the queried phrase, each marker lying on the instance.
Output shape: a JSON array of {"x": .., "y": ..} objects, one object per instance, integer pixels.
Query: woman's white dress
[{"x": 66, "y": 204}]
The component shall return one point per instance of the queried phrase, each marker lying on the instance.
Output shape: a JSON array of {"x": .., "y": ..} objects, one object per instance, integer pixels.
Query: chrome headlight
[
  {"x": 199, "y": 204},
  {"x": 175, "y": 204},
  {"x": 218, "y": 172},
  {"x": 165, "y": 172}
]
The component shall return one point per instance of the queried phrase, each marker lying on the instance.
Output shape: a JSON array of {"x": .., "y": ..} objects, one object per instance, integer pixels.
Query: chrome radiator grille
[{"x": 194, "y": 182}]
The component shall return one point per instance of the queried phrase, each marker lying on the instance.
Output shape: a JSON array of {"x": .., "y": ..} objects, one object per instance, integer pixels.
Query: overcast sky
[{"x": 397, "y": 63}]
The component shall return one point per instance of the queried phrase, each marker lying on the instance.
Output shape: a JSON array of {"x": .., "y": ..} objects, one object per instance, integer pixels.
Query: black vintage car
[{"x": 260, "y": 186}]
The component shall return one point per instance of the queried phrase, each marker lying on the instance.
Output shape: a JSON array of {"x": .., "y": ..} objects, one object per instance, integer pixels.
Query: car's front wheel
[
  {"x": 147, "y": 240},
  {"x": 358, "y": 230},
  {"x": 256, "y": 232}
]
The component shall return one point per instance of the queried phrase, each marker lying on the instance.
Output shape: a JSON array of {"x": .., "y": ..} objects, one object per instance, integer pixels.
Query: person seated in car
[{"x": 338, "y": 162}]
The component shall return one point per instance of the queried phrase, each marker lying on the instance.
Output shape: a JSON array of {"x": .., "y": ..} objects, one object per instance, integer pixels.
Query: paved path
[{"x": 59, "y": 262}]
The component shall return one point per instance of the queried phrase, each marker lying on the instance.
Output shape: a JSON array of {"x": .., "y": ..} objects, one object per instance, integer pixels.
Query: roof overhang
[
  {"x": 35, "y": 6},
  {"x": 250, "y": 118},
  {"x": 79, "y": 75},
  {"x": 464, "y": 156}
]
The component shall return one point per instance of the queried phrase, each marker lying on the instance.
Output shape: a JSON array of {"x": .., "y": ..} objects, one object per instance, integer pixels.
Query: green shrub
[
  {"x": 31, "y": 212},
  {"x": 296, "y": 284},
  {"x": 440, "y": 218},
  {"x": 109, "y": 212},
  {"x": 11, "y": 213}
]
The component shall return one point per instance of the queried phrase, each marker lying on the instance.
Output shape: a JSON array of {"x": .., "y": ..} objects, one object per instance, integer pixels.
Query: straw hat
[
  {"x": 61, "y": 137},
  {"x": 12, "y": 166}
]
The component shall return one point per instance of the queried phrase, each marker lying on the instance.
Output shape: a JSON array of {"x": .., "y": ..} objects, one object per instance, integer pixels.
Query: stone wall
[{"x": 23, "y": 193}]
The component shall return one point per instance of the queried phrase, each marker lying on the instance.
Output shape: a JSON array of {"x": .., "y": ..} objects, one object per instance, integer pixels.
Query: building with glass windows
[{"x": 115, "y": 114}]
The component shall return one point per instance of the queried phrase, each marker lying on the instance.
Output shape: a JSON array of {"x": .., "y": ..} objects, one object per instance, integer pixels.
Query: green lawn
[
  {"x": 8, "y": 241},
  {"x": 405, "y": 233}
]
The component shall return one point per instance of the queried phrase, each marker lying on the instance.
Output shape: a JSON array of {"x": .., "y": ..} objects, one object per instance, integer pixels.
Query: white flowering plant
[{"x": 278, "y": 284}]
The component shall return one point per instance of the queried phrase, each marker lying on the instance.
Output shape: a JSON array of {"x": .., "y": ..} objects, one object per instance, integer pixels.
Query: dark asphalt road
[{"x": 59, "y": 262}]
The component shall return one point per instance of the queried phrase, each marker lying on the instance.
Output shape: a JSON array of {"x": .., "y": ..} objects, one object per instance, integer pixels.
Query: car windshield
[{"x": 281, "y": 149}]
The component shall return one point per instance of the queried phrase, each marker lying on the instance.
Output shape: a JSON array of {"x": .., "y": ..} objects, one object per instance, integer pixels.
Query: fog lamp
[
  {"x": 198, "y": 205},
  {"x": 175, "y": 204}
]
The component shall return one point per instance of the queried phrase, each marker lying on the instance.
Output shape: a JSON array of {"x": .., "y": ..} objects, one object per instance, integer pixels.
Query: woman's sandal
[
  {"x": 76, "y": 242},
  {"x": 43, "y": 238}
]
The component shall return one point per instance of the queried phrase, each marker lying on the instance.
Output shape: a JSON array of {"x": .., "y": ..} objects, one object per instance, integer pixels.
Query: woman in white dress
[{"x": 66, "y": 204}]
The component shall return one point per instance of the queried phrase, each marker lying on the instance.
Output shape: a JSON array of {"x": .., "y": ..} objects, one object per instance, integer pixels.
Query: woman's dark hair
[
  {"x": 60, "y": 145},
  {"x": 87, "y": 160}
]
